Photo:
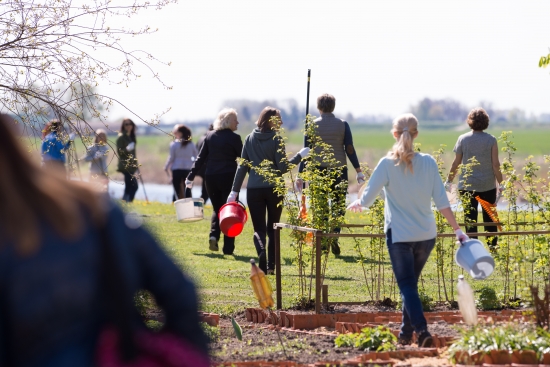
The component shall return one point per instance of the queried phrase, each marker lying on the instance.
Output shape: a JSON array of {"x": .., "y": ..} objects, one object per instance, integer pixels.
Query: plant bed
[{"x": 261, "y": 343}]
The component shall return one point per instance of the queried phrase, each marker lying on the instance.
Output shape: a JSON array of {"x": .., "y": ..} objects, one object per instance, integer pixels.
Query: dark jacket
[
  {"x": 127, "y": 161},
  {"x": 51, "y": 309},
  {"x": 259, "y": 146},
  {"x": 199, "y": 145},
  {"x": 221, "y": 149}
]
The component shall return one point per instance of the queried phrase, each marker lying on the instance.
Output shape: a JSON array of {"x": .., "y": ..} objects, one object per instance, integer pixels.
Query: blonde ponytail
[{"x": 405, "y": 129}]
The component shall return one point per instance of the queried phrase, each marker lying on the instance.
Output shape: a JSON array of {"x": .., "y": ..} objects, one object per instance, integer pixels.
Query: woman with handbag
[
  {"x": 70, "y": 263},
  {"x": 261, "y": 145}
]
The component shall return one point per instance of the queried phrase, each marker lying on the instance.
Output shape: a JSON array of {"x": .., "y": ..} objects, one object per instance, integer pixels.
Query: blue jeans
[{"x": 408, "y": 260}]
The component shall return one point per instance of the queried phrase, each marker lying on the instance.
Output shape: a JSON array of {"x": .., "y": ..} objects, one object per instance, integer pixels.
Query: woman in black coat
[{"x": 221, "y": 148}]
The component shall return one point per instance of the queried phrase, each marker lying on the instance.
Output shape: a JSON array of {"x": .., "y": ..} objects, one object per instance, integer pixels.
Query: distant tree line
[{"x": 435, "y": 111}]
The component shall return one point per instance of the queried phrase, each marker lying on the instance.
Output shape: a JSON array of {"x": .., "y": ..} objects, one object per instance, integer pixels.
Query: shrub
[
  {"x": 427, "y": 301},
  {"x": 379, "y": 339},
  {"x": 212, "y": 332},
  {"x": 488, "y": 299}
]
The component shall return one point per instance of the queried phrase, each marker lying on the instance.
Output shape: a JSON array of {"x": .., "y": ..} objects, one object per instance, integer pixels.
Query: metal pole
[
  {"x": 306, "y": 143},
  {"x": 143, "y": 185},
  {"x": 317, "y": 273},
  {"x": 277, "y": 238}
]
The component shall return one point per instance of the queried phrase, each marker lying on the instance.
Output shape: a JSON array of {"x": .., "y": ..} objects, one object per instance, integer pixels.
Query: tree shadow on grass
[{"x": 221, "y": 256}]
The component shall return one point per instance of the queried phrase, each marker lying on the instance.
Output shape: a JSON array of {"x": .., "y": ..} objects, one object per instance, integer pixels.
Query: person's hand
[
  {"x": 461, "y": 236},
  {"x": 72, "y": 136},
  {"x": 188, "y": 183},
  {"x": 232, "y": 197},
  {"x": 501, "y": 187},
  {"x": 355, "y": 206},
  {"x": 448, "y": 186},
  {"x": 304, "y": 152},
  {"x": 360, "y": 178},
  {"x": 130, "y": 146},
  {"x": 298, "y": 185}
]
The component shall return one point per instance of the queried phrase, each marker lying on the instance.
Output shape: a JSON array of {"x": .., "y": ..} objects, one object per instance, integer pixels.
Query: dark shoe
[
  {"x": 335, "y": 248},
  {"x": 263, "y": 262},
  {"x": 404, "y": 341},
  {"x": 213, "y": 244},
  {"x": 425, "y": 339}
]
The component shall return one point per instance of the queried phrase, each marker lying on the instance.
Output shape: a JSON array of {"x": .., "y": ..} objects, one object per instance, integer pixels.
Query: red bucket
[{"x": 232, "y": 218}]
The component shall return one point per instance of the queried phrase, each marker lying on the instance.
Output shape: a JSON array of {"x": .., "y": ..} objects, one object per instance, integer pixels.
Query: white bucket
[
  {"x": 475, "y": 259},
  {"x": 189, "y": 209}
]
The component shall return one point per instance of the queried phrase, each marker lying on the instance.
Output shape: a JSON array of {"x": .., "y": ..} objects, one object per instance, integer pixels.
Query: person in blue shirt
[
  {"x": 55, "y": 269},
  {"x": 54, "y": 145},
  {"x": 410, "y": 180}
]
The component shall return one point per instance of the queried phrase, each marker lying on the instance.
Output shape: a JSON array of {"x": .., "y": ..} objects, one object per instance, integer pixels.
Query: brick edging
[{"x": 313, "y": 321}]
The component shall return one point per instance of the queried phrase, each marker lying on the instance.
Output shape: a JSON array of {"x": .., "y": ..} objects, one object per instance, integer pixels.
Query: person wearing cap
[
  {"x": 336, "y": 133},
  {"x": 410, "y": 180}
]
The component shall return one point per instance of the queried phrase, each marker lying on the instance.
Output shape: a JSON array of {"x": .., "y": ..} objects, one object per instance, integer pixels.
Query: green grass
[{"x": 224, "y": 283}]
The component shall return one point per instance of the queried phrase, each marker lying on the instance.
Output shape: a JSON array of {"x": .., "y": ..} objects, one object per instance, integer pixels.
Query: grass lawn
[{"x": 224, "y": 283}]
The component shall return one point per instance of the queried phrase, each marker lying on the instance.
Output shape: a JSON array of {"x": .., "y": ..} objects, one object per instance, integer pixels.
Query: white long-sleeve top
[
  {"x": 181, "y": 157},
  {"x": 408, "y": 205}
]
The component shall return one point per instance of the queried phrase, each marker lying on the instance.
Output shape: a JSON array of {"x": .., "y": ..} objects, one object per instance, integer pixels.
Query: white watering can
[{"x": 475, "y": 259}]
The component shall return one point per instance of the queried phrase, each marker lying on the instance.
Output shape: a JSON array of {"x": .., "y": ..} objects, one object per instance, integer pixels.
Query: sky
[{"x": 375, "y": 57}]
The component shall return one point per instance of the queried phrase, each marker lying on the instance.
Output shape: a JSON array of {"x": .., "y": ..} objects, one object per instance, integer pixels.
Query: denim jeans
[{"x": 408, "y": 260}]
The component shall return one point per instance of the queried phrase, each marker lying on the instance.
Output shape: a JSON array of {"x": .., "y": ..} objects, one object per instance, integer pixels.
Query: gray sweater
[{"x": 258, "y": 147}]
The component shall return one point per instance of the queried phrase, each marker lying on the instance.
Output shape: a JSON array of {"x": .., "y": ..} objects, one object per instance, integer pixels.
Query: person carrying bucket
[
  {"x": 221, "y": 148},
  {"x": 260, "y": 145},
  {"x": 180, "y": 160},
  {"x": 410, "y": 180}
]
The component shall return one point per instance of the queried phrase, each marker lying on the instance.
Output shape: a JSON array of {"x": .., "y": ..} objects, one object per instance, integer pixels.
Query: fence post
[
  {"x": 317, "y": 273},
  {"x": 277, "y": 236}
]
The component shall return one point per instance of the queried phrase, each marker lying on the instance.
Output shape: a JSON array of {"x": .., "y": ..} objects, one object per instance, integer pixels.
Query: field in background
[{"x": 371, "y": 142}]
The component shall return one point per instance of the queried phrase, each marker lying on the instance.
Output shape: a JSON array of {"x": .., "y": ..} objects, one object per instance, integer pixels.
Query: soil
[{"x": 260, "y": 342}]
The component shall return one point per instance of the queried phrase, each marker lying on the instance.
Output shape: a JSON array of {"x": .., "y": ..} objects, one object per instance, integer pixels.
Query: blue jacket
[
  {"x": 51, "y": 309},
  {"x": 53, "y": 148}
]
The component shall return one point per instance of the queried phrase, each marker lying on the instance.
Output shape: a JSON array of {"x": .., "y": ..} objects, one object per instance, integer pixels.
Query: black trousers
[
  {"x": 262, "y": 201},
  {"x": 178, "y": 181},
  {"x": 219, "y": 188},
  {"x": 471, "y": 213},
  {"x": 340, "y": 199},
  {"x": 204, "y": 193},
  {"x": 130, "y": 187}
]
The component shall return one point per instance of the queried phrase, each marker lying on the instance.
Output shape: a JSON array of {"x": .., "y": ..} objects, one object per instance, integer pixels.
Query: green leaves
[
  {"x": 378, "y": 339},
  {"x": 237, "y": 329}
]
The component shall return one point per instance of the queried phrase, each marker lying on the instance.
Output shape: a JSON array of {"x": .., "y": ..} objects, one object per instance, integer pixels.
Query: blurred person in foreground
[
  {"x": 54, "y": 145},
  {"x": 127, "y": 161},
  {"x": 221, "y": 148},
  {"x": 485, "y": 177},
  {"x": 410, "y": 181},
  {"x": 96, "y": 154},
  {"x": 181, "y": 157},
  {"x": 261, "y": 145},
  {"x": 336, "y": 133},
  {"x": 201, "y": 172},
  {"x": 58, "y": 242}
]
